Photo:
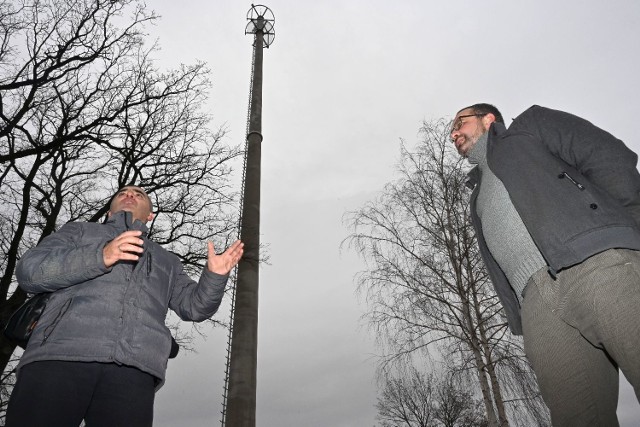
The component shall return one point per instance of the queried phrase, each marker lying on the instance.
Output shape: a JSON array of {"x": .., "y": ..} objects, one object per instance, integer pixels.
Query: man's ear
[
  {"x": 487, "y": 119},
  {"x": 109, "y": 214},
  {"x": 151, "y": 216}
]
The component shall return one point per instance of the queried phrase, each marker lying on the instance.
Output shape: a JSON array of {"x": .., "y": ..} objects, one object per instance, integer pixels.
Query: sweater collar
[{"x": 478, "y": 153}]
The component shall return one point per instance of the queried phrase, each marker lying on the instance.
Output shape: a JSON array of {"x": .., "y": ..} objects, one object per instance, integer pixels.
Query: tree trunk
[
  {"x": 480, "y": 368},
  {"x": 490, "y": 366}
]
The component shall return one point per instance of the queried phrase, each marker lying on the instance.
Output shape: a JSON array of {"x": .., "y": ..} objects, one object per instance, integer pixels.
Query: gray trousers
[{"x": 578, "y": 330}]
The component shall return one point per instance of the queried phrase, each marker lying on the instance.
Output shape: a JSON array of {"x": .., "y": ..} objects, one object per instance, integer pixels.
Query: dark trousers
[{"x": 62, "y": 394}]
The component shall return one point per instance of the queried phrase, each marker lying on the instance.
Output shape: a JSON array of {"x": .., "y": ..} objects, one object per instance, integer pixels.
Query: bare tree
[
  {"x": 411, "y": 398},
  {"x": 83, "y": 112},
  {"x": 406, "y": 399},
  {"x": 427, "y": 286},
  {"x": 457, "y": 407}
]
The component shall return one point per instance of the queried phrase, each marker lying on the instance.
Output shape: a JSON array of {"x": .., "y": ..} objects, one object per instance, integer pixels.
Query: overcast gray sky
[{"x": 344, "y": 81}]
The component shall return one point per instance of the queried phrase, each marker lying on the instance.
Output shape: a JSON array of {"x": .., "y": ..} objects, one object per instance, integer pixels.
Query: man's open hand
[{"x": 223, "y": 263}]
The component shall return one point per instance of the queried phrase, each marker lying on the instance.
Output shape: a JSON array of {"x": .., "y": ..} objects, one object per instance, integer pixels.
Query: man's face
[
  {"x": 467, "y": 129},
  {"x": 132, "y": 199}
]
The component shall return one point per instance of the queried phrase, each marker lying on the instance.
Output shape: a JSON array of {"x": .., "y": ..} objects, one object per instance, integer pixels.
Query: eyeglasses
[{"x": 457, "y": 124}]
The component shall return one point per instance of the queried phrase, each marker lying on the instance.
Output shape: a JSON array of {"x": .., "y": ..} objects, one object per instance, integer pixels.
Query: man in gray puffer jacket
[{"x": 101, "y": 347}]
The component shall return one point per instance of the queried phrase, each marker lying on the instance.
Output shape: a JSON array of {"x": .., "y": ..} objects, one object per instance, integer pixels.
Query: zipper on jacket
[
  {"x": 49, "y": 329},
  {"x": 148, "y": 263},
  {"x": 573, "y": 181},
  {"x": 127, "y": 221}
]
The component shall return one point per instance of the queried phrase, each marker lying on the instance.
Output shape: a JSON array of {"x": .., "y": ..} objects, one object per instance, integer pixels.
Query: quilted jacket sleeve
[
  {"x": 59, "y": 261},
  {"x": 197, "y": 301}
]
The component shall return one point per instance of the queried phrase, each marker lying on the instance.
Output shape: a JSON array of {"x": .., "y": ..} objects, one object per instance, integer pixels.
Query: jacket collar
[
  {"x": 124, "y": 219},
  {"x": 473, "y": 177},
  {"x": 497, "y": 129}
]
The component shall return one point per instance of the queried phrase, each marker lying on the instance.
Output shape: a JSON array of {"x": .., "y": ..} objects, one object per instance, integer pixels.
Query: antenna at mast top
[{"x": 261, "y": 19}]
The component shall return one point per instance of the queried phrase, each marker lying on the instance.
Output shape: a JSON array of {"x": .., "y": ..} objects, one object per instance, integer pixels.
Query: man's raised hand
[{"x": 224, "y": 263}]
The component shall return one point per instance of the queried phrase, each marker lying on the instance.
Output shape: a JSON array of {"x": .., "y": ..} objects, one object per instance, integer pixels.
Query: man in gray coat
[
  {"x": 556, "y": 209},
  {"x": 101, "y": 347}
]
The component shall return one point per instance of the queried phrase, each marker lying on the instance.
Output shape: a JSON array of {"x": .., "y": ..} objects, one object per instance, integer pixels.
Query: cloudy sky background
[{"x": 344, "y": 81}]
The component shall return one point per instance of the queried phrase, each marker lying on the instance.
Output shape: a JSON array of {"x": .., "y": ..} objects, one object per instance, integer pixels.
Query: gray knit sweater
[{"x": 506, "y": 235}]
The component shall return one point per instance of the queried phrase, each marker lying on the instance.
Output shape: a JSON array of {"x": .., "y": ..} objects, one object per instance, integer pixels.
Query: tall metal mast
[{"x": 240, "y": 396}]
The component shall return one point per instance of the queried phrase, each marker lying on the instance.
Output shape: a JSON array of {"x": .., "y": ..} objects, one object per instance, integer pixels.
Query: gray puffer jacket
[{"x": 117, "y": 314}]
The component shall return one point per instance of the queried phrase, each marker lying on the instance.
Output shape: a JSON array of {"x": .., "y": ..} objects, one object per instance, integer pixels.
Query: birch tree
[{"x": 427, "y": 288}]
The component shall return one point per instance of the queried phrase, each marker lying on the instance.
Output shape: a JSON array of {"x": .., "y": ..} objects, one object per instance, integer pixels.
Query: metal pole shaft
[{"x": 241, "y": 400}]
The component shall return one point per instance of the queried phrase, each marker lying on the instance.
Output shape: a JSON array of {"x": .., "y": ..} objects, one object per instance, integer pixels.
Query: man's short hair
[{"x": 483, "y": 108}]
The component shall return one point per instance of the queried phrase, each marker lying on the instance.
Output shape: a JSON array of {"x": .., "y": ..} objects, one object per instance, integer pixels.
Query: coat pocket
[{"x": 48, "y": 330}]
